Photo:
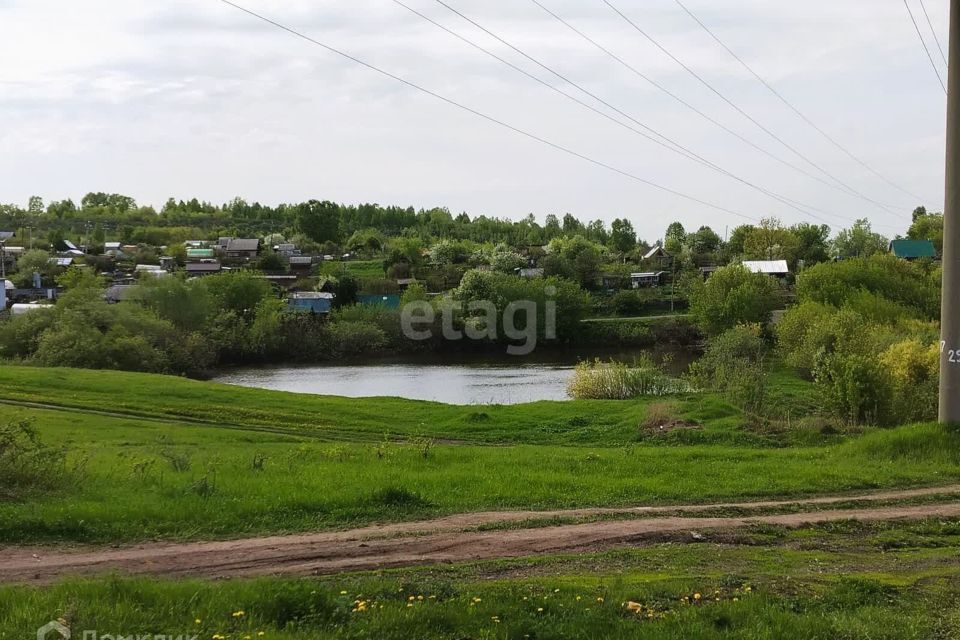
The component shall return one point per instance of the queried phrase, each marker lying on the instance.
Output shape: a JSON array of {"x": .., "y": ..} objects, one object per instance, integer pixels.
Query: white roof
[
  {"x": 767, "y": 266},
  {"x": 653, "y": 252},
  {"x": 147, "y": 267},
  {"x": 647, "y": 274},
  {"x": 312, "y": 295}
]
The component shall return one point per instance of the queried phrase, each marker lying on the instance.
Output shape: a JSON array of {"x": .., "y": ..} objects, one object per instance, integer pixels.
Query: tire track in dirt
[{"x": 435, "y": 541}]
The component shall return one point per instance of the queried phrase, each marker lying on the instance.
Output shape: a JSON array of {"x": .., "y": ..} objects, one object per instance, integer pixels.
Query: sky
[{"x": 195, "y": 98}]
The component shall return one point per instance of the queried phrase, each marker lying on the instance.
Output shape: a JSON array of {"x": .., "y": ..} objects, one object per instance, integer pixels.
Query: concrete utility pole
[{"x": 950, "y": 308}]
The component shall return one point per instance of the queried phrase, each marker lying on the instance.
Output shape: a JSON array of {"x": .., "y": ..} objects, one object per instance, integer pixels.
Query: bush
[
  {"x": 734, "y": 364},
  {"x": 28, "y": 467},
  {"x": 856, "y": 388},
  {"x": 733, "y": 295},
  {"x": 905, "y": 283},
  {"x": 355, "y": 338},
  {"x": 914, "y": 370},
  {"x": 617, "y": 381}
]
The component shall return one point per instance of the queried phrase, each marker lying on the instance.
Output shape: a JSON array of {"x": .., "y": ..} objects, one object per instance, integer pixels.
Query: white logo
[{"x": 54, "y": 625}]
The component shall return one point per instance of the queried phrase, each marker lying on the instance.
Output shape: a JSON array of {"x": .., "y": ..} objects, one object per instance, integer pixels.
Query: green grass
[
  {"x": 844, "y": 581},
  {"x": 130, "y": 490},
  {"x": 335, "y": 418},
  {"x": 356, "y": 268}
]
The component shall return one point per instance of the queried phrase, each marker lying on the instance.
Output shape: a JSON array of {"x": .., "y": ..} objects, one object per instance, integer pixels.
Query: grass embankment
[
  {"x": 152, "y": 478},
  {"x": 843, "y": 581}
]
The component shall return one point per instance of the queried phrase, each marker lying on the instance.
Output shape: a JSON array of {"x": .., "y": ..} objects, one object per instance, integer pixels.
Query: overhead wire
[
  {"x": 740, "y": 109},
  {"x": 791, "y": 106},
  {"x": 664, "y": 141},
  {"x": 485, "y": 116},
  {"x": 925, "y": 47}
]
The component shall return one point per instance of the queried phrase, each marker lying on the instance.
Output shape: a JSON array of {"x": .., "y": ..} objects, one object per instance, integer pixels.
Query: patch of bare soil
[{"x": 436, "y": 541}]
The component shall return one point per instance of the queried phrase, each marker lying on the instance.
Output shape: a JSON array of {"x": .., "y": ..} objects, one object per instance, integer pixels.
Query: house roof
[
  {"x": 62, "y": 262},
  {"x": 913, "y": 249},
  {"x": 243, "y": 244},
  {"x": 770, "y": 267},
  {"x": 203, "y": 267},
  {"x": 311, "y": 295},
  {"x": 301, "y": 260},
  {"x": 111, "y": 245},
  {"x": 6, "y": 235},
  {"x": 656, "y": 252},
  {"x": 647, "y": 274}
]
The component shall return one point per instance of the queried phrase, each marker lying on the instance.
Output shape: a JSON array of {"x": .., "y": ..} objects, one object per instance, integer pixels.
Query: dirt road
[{"x": 444, "y": 540}]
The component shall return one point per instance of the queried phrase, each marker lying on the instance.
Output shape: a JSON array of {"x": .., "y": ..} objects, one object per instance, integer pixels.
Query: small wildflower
[
  {"x": 600, "y": 600},
  {"x": 578, "y": 598},
  {"x": 634, "y": 606},
  {"x": 412, "y": 598},
  {"x": 198, "y": 621},
  {"x": 556, "y": 590},
  {"x": 539, "y": 609},
  {"x": 696, "y": 596},
  {"x": 238, "y": 614},
  {"x": 343, "y": 593},
  {"x": 419, "y": 597}
]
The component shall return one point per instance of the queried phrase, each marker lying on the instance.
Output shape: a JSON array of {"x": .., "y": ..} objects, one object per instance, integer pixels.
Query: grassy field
[
  {"x": 356, "y": 268},
  {"x": 158, "y": 475},
  {"x": 588, "y": 423},
  {"x": 850, "y": 581}
]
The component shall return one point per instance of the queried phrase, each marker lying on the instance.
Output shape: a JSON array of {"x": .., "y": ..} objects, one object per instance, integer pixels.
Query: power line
[
  {"x": 925, "y": 47},
  {"x": 686, "y": 104},
  {"x": 484, "y": 116},
  {"x": 792, "y": 107},
  {"x": 934, "y": 32},
  {"x": 669, "y": 144},
  {"x": 741, "y": 111}
]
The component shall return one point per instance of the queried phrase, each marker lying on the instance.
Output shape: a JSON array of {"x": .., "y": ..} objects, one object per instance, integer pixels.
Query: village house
[
  {"x": 203, "y": 268},
  {"x": 317, "y": 302},
  {"x": 913, "y": 249},
  {"x": 647, "y": 279},
  {"x": 774, "y": 268},
  {"x": 242, "y": 248}
]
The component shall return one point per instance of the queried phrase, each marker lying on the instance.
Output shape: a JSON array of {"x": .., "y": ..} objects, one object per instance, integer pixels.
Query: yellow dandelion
[
  {"x": 419, "y": 597},
  {"x": 412, "y": 598},
  {"x": 696, "y": 596},
  {"x": 600, "y": 600},
  {"x": 238, "y": 614},
  {"x": 578, "y": 598},
  {"x": 198, "y": 621},
  {"x": 539, "y": 609},
  {"x": 343, "y": 593}
]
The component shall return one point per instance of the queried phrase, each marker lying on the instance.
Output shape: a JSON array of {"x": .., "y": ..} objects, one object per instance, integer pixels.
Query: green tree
[
  {"x": 32, "y": 261},
  {"x": 319, "y": 221},
  {"x": 928, "y": 226},
  {"x": 733, "y": 295},
  {"x": 622, "y": 236},
  {"x": 771, "y": 241},
  {"x": 859, "y": 241},
  {"x": 814, "y": 243}
]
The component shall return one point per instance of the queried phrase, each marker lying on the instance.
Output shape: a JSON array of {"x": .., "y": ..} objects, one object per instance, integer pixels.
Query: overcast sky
[{"x": 197, "y": 99}]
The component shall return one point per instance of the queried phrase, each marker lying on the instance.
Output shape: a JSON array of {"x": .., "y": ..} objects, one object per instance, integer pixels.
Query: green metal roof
[{"x": 913, "y": 249}]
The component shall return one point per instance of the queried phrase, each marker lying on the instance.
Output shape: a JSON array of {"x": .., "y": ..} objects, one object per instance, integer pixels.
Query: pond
[{"x": 450, "y": 378}]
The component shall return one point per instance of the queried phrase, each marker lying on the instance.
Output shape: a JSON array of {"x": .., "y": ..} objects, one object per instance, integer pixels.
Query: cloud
[{"x": 190, "y": 98}]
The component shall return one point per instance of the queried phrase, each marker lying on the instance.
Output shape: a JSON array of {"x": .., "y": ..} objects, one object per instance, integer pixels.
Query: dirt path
[{"x": 442, "y": 540}]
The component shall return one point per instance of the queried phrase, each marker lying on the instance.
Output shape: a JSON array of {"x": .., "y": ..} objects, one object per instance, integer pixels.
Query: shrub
[
  {"x": 734, "y": 364},
  {"x": 733, "y": 295},
  {"x": 617, "y": 381},
  {"x": 27, "y": 466},
  {"x": 355, "y": 338},
  {"x": 907, "y": 284},
  {"x": 856, "y": 388},
  {"x": 914, "y": 370}
]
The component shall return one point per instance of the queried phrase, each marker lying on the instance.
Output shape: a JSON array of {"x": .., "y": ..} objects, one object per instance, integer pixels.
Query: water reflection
[{"x": 460, "y": 379}]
